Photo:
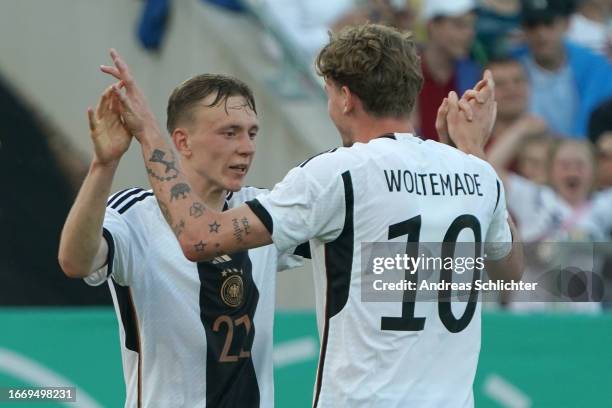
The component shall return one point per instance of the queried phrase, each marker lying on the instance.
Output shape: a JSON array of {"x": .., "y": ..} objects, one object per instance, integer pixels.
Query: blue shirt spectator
[
  {"x": 584, "y": 81},
  {"x": 568, "y": 81}
]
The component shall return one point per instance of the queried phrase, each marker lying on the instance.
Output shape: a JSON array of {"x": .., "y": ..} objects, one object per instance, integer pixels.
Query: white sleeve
[
  {"x": 293, "y": 258},
  {"x": 305, "y": 205},
  {"x": 288, "y": 260},
  {"x": 120, "y": 258},
  {"x": 498, "y": 242}
]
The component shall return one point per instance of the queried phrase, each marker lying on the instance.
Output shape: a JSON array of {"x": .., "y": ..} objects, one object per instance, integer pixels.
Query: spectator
[
  {"x": 533, "y": 157},
  {"x": 559, "y": 210},
  {"x": 590, "y": 26},
  {"x": 445, "y": 58},
  {"x": 498, "y": 25},
  {"x": 600, "y": 133},
  {"x": 521, "y": 135},
  {"x": 567, "y": 80},
  {"x": 565, "y": 211}
]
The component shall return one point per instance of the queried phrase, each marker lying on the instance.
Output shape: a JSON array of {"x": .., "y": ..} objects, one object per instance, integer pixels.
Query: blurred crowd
[{"x": 550, "y": 59}]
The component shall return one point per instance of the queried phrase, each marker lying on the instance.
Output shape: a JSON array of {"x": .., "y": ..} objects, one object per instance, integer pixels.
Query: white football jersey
[
  {"x": 388, "y": 354},
  {"x": 192, "y": 334}
]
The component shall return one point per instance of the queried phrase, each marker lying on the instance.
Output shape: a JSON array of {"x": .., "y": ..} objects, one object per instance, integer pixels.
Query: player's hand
[
  {"x": 108, "y": 134},
  {"x": 481, "y": 99},
  {"x": 464, "y": 105},
  {"x": 135, "y": 111},
  {"x": 442, "y": 123},
  {"x": 470, "y": 131}
]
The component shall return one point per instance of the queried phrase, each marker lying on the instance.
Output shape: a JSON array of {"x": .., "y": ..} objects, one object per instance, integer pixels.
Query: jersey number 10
[{"x": 408, "y": 321}]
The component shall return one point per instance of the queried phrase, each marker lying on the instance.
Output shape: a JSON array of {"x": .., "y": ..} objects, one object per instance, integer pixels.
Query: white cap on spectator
[{"x": 446, "y": 8}]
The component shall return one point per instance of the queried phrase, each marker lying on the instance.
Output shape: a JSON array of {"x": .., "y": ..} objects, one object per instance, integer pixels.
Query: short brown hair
[
  {"x": 194, "y": 90},
  {"x": 378, "y": 63}
]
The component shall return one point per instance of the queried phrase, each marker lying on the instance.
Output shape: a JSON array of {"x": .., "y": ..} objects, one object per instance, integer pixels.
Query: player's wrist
[
  {"x": 470, "y": 147},
  {"x": 151, "y": 137},
  {"x": 104, "y": 165}
]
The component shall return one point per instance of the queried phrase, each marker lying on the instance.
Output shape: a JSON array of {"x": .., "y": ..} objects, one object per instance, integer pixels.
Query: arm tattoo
[
  {"x": 196, "y": 210},
  {"x": 199, "y": 247},
  {"x": 165, "y": 211},
  {"x": 237, "y": 230},
  {"x": 178, "y": 228},
  {"x": 214, "y": 227},
  {"x": 171, "y": 171},
  {"x": 246, "y": 225},
  {"x": 179, "y": 190}
]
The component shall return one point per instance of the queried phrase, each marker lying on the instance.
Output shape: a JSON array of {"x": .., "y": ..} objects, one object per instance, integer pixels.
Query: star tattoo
[
  {"x": 214, "y": 227},
  {"x": 200, "y": 246}
]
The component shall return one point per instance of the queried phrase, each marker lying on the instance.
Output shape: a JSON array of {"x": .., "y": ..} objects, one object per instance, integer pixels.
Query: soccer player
[
  {"x": 192, "y": 334},
  {"x": 421, "y": 354}
]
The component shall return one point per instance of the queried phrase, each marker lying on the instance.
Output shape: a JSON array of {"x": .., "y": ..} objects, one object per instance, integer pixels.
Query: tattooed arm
[{"x": 203, "y": 233}]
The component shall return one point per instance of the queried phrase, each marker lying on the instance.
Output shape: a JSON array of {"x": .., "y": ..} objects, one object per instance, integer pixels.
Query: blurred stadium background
[{"x": 57, "y": 331}]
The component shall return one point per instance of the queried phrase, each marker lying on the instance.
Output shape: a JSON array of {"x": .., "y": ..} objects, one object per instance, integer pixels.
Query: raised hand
[
  {"x": 481, "y": 99},
  {"x": 134, "y": 109},
  {"x": 480, "y": 93},
  {"x": 468, "y": 122},
  {"x": 108, "y": 134}
]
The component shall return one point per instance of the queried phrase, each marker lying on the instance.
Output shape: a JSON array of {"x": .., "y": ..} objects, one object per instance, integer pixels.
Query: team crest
[{"x": 232, "y": 291}]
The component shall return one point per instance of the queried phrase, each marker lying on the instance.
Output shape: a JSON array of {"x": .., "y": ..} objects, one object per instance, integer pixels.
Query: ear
[
  {"x": 348, "y": 99},
  {"x": 182, "y": 141}
]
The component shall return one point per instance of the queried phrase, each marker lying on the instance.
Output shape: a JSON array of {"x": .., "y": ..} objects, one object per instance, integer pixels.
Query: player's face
[
  {"x": 545, "y": 39},
  {"x": 511, "y": 89},
  {"x": 572, "y": 172},
  {"x": 222, "y": 141},
  {"x": 454, "y": 35}
]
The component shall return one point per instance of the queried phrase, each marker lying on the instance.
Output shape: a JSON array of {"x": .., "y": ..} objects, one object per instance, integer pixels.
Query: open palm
[{"x": 108, "y": 133}]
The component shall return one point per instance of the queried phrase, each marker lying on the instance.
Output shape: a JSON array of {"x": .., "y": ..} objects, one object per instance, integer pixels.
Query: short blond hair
[{"x": 378, "y": 63}]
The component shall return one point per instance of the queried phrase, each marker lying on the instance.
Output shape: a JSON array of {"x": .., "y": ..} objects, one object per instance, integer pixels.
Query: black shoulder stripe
[
  {"x": 339, "y": 255},
  {"x": 338, "y": 267},
  {"x": 127, "y": 311},
  {"x": 117, "y": 202},
  {"x": 498, "y": 194},
  {"x": 261, "y": 213},
  {"x": 316, "y": 155},
  {"x": 134, "y": 201},
  {"x": 106, "y": 234},
  {"x": 303, "y": 250},
  {"x": 115, "y": 196}
]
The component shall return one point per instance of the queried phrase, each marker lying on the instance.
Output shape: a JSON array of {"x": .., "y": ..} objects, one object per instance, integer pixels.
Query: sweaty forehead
[
  {"x": 234, "y": 111},
  {"x": 239, "y": 103},
  {"x": 224, "y": 108}
]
